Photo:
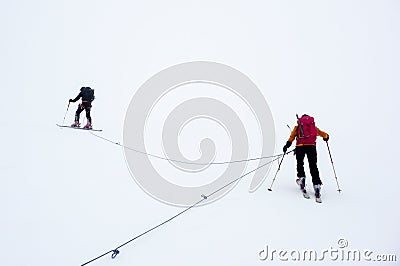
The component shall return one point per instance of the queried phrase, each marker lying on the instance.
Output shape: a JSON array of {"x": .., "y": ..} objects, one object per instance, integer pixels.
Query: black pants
[
  {"x": 311, "y": 152},
  {"x": 84, "y": 106}
]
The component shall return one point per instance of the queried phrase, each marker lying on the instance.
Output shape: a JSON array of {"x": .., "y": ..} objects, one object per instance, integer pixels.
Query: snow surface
[{"x": 67, "y": 197}]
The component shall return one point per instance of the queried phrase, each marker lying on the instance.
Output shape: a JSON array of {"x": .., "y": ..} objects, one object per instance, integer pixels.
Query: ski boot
[
  {"x": 88, "y": 126},
  {"x": 301, "y": 181},
  {"x": 317, "y": 189},
  {"x": 75, "y": 124}
]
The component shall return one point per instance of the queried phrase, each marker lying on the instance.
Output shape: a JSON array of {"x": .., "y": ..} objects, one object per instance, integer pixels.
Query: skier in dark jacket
[
  {"x": 87, "y": 95},
  {"x": 305, "y": 133}
]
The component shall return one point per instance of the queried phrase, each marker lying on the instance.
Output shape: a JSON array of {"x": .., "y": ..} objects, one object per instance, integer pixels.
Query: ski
[
  {"x": 81, "y": 128},
  {"x": 305, "y": 194},
  {"x": 317, "y": 189}
]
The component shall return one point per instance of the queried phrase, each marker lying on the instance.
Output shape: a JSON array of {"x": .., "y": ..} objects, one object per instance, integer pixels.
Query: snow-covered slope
[{"x": 67, "y": 196}]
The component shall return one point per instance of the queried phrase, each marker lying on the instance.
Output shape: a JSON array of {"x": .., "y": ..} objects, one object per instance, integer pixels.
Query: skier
[
  {"x": 306, "y": 134},
  {"x": 87, "y": 95}
]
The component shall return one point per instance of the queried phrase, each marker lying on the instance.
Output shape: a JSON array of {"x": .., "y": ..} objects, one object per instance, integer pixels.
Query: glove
[
  {"x": 288, "y": 144},
  {"x": 327, "y": 138}
]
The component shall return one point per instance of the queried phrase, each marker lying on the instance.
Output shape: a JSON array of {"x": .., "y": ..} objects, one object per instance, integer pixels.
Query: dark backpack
[
  {"x": 87, "y": 94},
  {"x": 306, "y": 132}
]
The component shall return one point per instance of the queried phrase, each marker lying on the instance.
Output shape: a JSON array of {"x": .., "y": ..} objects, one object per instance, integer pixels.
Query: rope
[
  {"x": 115, "y": 251},
  {"x": 184, "y": 162}
]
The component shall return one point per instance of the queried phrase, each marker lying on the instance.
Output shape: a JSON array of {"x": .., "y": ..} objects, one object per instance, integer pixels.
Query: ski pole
[
  {"x": 65, "y": 113},
  {"x": 334, "y": 171},
  {"x": 279, "y": 167},
  {"x": 300, "y": 126}
]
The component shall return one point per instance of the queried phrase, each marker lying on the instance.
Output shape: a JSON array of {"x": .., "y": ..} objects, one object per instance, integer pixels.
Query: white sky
[{"x": 66, "y": 197}]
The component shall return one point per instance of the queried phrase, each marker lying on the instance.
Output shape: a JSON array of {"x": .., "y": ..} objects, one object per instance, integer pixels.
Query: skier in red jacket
[{"x": 305, "y": 133}]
